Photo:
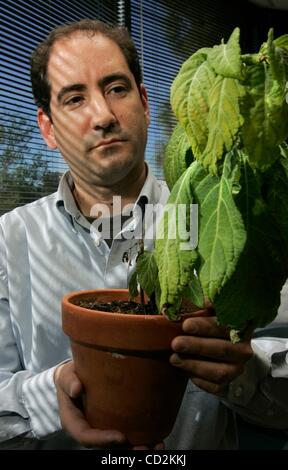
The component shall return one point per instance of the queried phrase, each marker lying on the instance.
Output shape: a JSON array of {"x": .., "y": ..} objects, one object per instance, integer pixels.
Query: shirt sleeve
[
  {"x": 29, "y": 406},
  {"x": 259, "y": 395},
  {"x": 28, "y": 402}
]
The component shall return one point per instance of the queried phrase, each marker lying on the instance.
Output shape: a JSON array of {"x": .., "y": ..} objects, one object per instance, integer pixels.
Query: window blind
[
  {"x": 28, "y": 170},
  {"x": 167, "y": 32}
]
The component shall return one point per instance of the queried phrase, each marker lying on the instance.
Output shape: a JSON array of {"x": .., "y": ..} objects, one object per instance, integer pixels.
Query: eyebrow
[
  {"x": 68, "y": 89},
  {"x": 102, "y": 83},
  {"x": 113, "y": 78}
]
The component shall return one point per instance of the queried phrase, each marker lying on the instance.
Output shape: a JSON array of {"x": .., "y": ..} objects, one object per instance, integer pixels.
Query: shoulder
[{"x": 38, "y": 208}]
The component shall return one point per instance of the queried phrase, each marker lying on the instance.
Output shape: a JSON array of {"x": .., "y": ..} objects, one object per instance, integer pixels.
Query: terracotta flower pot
[{"x": 123, "y": 362}]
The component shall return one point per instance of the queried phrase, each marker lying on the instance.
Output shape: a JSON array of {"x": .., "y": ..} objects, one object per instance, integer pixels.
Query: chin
[{"x": 116, "y": 167}]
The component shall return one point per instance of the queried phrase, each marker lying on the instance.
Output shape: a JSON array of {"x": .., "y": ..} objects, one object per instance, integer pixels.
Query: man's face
[{"x": 99, "y": 118}]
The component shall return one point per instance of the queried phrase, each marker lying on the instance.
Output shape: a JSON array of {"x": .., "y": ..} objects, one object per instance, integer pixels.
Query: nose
[{"x": 102, "y": 115}]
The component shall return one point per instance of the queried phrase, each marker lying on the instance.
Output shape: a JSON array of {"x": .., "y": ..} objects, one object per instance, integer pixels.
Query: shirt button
[{"x": 270, "y": 412}]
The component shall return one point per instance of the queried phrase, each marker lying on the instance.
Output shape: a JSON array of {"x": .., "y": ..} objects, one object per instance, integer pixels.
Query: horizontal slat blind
[
  {"x": 28, "y": 170},
  {"x": 167, "y": 32}
]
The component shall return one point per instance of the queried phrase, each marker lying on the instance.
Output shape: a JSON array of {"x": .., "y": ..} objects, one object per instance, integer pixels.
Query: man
[{"x": 93, "y": 107}]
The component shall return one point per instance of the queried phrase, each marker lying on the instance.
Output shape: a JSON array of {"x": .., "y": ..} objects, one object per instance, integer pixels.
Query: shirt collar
[
  {"x": 66, "y": 202},
  {"x": 150, "y": 193},
  {"x": 150, "y": 189}
]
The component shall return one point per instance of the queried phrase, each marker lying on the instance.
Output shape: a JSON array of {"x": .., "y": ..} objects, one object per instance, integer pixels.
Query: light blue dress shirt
[{"x": 47, "y": 248}]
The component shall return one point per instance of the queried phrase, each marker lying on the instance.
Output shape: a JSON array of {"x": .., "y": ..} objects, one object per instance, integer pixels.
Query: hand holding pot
[
  {"x": 207, "y": 354},
  {"x": 69, "y": 389}
]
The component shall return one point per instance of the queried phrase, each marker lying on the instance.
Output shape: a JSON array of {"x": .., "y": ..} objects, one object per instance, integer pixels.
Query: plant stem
[{"x": 142, "y": 298}]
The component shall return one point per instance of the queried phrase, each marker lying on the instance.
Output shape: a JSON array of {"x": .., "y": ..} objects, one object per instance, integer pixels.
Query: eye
[
  {"x": 119, "y": 90},
  {"x": 73, "y": 100}
]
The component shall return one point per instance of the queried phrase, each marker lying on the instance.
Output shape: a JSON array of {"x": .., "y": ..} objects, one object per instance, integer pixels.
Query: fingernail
[
  {"x": 175, "y": 360},
  {"x": 180, "y": 346},
  {"x": 189, "y": 327},
  {"x": 74, "y": 390}
]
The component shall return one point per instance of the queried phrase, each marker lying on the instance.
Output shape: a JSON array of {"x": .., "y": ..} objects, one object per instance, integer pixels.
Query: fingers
[
  {"x": 215, "y": 372},
  {"x": 65, "y": 377},
  {"x": 210, "y": 387},
  {"x": 213, "y": 348},
  {"x": 207, "y": 355},
  {"x": 205, "y": 326},
  {"x": 73, "y": 421}
]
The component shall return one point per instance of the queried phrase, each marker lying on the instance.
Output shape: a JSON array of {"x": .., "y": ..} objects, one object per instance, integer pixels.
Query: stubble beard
[{"x": 110, "y": 168}]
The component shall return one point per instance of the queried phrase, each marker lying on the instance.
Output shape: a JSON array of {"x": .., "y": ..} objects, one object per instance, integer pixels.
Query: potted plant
[
  {"x": 227, "y": 155},
  {"x": 122, "y": 358},
  {"x": 232, "y": 110}
]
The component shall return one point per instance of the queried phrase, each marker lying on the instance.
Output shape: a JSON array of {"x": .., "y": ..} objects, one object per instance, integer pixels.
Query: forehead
[{"x": 80, "y": 58}]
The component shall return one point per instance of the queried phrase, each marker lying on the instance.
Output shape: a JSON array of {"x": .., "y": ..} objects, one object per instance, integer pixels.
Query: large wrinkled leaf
[
  {"x": 178, "y": 156},
  {"x": 222, "y": 234},
  {"x": 226, "y": 58},
  {"x": 198, "y": 108},
  {"x": 265, "y": 109},
  {"x": 224, "y": 120},
  {"x": 234, "y": 111},
  {"x": 275, "y": 183},
  {"x": 189, "y": 99},
  {"x": 175, "y": 262},
  {"x": 194, "y": 292},
  {"x": 277, "y": 85},
  {"x": 147, "y": 271},
  {"x": 181, "y": 85},
  {"x": 252, "y": 295}
]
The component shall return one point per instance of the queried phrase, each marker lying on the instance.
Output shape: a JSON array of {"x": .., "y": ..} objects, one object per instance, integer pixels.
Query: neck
[{"x": 87, "y": 196}]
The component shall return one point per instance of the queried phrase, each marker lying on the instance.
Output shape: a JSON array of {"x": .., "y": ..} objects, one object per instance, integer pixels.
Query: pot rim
[
  {"x": 129, "y": 331},
  {"x": 67, "y": 299}
]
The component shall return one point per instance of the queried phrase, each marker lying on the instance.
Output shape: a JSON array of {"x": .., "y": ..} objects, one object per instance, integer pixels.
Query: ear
[
  {"x": 144, "y": 99},
  {"x": 46, "y": 129}
]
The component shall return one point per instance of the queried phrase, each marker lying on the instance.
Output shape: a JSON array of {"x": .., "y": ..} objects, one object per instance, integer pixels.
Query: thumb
[
  {"x": 66, "y": 378},
  {"x": 75, "y": 387}
]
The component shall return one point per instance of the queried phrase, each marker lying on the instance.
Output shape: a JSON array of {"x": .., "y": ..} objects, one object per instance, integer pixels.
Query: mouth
[{"x": 107, "y": 143}]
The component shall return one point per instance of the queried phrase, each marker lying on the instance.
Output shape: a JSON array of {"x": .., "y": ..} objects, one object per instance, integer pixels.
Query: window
[
  {"x": 167, "y": 32},
  {"x": 28, "y": 170}
]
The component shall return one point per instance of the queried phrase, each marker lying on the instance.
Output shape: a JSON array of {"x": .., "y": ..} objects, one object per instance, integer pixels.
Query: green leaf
[
  {"x": 284, "y": 152},
  {"x": 147, "y": 271},
  {"x": 175, "y": 262},
  {"x": 226, "y": 58},
  {"x": 178, "y": 156},
  {"x": 282, "y": 41},
  {"x": 275, "y": 183},
  {"x": 251, "y": 297},
  {"x": 224, "y": 120},
  {"x": 133, "y": 285},
  {"x": 264, "y": 108},
  {"x": 194, "y": 292},
  {"x": 198, "y": 108},
  {"x": 222, "y": 234},
  {"x": 158, "y": 294},
  {"x": 181, "y": 84},
  {"x": 189, "y": 99}
]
